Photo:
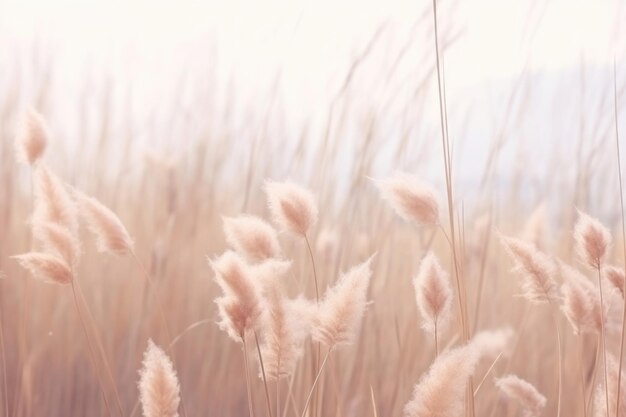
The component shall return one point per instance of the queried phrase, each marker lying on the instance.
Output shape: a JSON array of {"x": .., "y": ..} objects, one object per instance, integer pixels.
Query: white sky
[
  {"x": 310, "y": 38},
  {"x": 312, "y": 44}
]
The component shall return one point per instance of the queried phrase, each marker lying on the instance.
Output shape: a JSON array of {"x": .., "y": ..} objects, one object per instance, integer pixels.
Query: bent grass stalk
[
  {"x": 157, "y": 296},
  {"x": 247, "y": 370},
  {"x": 92, "y": 354},
  {"x": 267, "y": 395},
  {"x": 4, "y": 367},
  {"x": 603, "y": 341},
  {"x": 317, "y": 300},
  {"x": 317, "y": 377},
  {"x": 621, "y": 200}
]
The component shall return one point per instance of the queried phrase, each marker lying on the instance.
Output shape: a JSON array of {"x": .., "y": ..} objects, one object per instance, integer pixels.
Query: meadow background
[{"x": 174, "y": 115}]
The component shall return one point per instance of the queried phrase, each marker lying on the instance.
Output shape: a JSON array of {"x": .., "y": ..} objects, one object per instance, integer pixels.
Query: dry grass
[{"x": 307, "y": 306}]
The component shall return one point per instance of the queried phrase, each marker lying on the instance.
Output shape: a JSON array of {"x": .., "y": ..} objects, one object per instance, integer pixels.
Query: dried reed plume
[
  {"x": 535, "y": 229},
  {"x": 269, "y": 273},
  {"x": 293, "y": 207},
  {"x": 343, "y": 306},
  {"x": 615, "y": 276},
  {"x": 58, "y": 240},
  {"x": 159, "y": 390},
  {"x": 53, "y": 203},
  {"x": 440, "y": 392},
  {"x": 283, "y": 340},
  {"x": 32, "y": 136},
  {"x": 537, "y": 269},
  {"x": 252, "y": 237},
  {"x": 592, "y": 240},
  {"x": 491, "y": 343},
  {"x": 524, "y": 392},
  {"x": 47, "y": 267},
  {"x": 581, "y": 301},
  {"x": 111, "y": 235},
  {"x": 411, "y": 199},
  {"x": 434, "y": 295},
  {"x": 240, "y": 307},
  {"x": 599, "y": 401}
]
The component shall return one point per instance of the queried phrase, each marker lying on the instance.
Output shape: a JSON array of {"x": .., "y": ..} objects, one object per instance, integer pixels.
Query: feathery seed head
[
  {"x": 159, "y": 390},
  {"x": 32, "y": 136},
  {"x": 440, "y": 392},
  {"x": 523, "y": 392},
  {"x": 252, "y": 237},
  {"x": 339, "y": 315},
  {"x": 615, "y": 276},
  {"x": 592, "y": 240},
  {"x": 111, "y": 234},
  {"x": 433, "y": 293},
  {"x": 293, "y": 207},
  {"x": 412, "y": 200},
  {"x": 240, "y": 307},
  {"x": 537, "y": 269},
  {"x": 47, "y": 267}
]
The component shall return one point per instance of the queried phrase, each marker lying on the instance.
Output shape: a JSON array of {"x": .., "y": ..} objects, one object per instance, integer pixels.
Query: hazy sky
[{"x": 311, "y": 40}]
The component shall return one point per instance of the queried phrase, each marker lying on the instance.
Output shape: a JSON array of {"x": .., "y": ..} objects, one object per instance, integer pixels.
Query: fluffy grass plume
[
  {"x": 293, "y": 207},
  {"x": 537, "y": 270},
  {"x": 411, "y": 199},
  {"x": 47, "y": 267},
  {"x": 252, "y": 237},
  {"x": 523, "y": 392},
  {"x": 433, "y": 292},
  {"x": 440, "y": 392},
  {"x": 58, "y": 240},
  {"x": 580, "y": 301},
  {"x": 491, "y": 343},
  {"x": 340, "y": 313},
  {"x": 615, "y": 276},
  {"x": 53, "y": 203},
  {"x": 32, "y": 137},
  {"x": 592, "y": 240},
  {"x": 283, "y": 340},
  {"x": 159, "y": 390},
  {"x": 111, "y": 234},
  {"x": 240, "y": 307},
  {"x": 599, "y": 398}
]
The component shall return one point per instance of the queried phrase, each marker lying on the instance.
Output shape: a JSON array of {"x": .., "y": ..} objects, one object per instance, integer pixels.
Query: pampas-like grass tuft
[
  {"x": 252, "y": 237},
  {"x": 433, "y": 293},
  {"x": 592, "y": 240},
  {"x": 523, "y": 392},
  {"x": 343, "y": 306},
  {"x": 111, "y": 234},
  {"x": 53, "y": 203},
  {"x": 581, "y": 301},
  {"x": 283, "y": 341},
  {"x": 488, "y": 344},
  {"x": 536, "y": 228},
  {"x": 47, "y": 267},
  {"x": 537, "y": 269},
  {"x": 269, "y": 273},
  {"x": 158, "y": 385},
  {"x": 412, "y": 200},
  {"x": 58, "y": 240},
  {"x": 599, "y": 398},
  {"x": 32, "y": 136},
  {"x": 240, "y": 307},
  {"x": 615, "y": 276},
  {"x": 293, "y": 207},
  {"x": 440, "y": 392}
]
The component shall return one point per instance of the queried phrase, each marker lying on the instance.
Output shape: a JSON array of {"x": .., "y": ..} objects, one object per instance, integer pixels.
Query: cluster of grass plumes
[
  {"x": 305, "y": 322},
  {"x": 255, "y": 306}
]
